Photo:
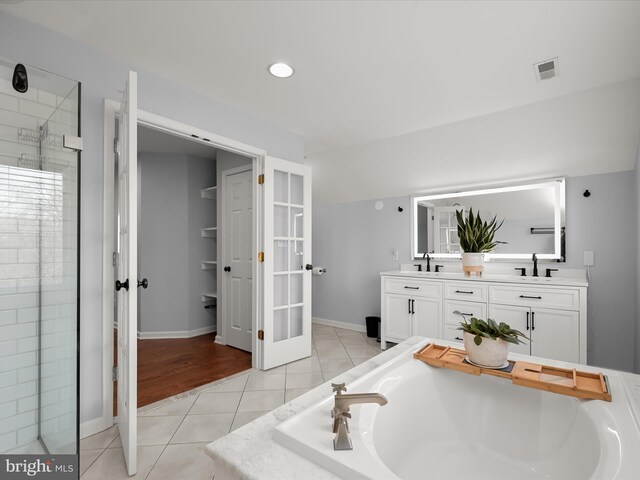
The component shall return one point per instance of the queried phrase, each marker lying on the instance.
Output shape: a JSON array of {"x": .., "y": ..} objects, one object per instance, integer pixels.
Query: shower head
[{"x": 20, "y": 80}]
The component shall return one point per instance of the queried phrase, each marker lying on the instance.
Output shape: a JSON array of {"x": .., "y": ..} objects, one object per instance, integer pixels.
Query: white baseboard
[
  {"x": 96, "y": 425},
  {"x": 337, "y": 324},
  {"x": 176, "y": 334},
  {"x": 219, "y": 340}
]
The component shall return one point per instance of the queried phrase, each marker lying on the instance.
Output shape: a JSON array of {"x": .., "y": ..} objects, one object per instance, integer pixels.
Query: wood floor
[{"x": 170, "y": 366}]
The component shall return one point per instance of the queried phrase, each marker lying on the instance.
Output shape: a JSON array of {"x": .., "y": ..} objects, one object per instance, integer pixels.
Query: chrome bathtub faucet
[{"x": 340, "y": 413}]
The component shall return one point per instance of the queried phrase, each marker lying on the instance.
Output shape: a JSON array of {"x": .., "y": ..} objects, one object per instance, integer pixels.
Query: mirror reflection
[{"x": 533, "y": 217}]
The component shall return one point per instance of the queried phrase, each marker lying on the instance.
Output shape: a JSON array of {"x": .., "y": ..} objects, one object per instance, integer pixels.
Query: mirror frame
[{"x": 559, "y": 211}]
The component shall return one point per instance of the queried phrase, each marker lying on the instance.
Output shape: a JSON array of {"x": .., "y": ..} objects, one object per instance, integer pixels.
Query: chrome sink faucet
[{"x": 340, "y": 413}]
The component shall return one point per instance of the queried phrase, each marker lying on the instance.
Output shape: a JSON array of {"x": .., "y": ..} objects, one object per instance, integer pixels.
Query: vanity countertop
[
  {"x": 252, "y": 453},
  {"x": 490, "y": 277}
]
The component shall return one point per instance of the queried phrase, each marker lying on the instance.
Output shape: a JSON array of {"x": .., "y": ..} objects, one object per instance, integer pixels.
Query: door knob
[
  {"x": 144, "y": 283},
  {"x": 120, "y": 285},
  {"x": 309, "y": 266},
  {"x": 227, "y": 269}
]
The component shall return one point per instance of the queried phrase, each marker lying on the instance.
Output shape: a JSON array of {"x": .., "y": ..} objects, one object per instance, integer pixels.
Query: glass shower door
[{"x": 59, "y": 288}]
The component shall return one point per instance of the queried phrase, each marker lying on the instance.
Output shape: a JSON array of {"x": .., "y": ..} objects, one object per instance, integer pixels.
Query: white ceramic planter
[
  {"x": 490, "y": 353},
  {"x": 473, "y": 263}
]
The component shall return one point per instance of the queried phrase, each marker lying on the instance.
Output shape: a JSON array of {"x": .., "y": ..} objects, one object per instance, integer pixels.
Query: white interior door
[
  {"x": 127, "y": 275},
  {"x": 238, "y": 257},
  {"x": 287, "y": 254}
]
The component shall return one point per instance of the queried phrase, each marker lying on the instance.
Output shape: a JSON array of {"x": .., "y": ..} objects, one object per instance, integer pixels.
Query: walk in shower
[{"x": 39, "y": 266}]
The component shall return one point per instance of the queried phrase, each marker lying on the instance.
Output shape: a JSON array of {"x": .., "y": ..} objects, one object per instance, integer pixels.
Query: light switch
[
  {"x": 395, "y": 255},
  {"x": 589, "y": 258}
]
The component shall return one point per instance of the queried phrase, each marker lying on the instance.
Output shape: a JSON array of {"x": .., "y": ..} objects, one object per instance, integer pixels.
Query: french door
[
  {"x": 126, "y": 271},
  {"x": 286, "y": 331}
]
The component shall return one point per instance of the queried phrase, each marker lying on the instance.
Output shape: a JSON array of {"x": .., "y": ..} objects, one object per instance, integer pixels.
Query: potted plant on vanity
[
  {"x": 487, "y": 342},
  {"x": 476, "y": 239}
]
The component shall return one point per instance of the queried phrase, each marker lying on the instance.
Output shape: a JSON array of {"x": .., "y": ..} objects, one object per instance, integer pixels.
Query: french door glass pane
[
  {"x": 280, "y": 324},
  {"x": 280, "y": 255},
  {"x": 296, "y": 321},
  {"x": 280, "y": 288},
  {"x": 280, "y": 221},
  {"x": 296, "y": 255},
  {"x": 296, "y": 282},
  {"x": 297, "y": 189},
  {"x": 296, "y": 222},
  {"x": 281, "y": 187}
]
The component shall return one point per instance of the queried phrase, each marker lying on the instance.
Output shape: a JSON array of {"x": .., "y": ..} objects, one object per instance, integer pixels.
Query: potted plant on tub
[
  {"x": 476, "y": 239},
  {"x": 487, "y": 342}
]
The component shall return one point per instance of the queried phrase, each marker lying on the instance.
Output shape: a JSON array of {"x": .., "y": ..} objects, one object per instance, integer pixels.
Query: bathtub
[{"x": 442, "y": 424}]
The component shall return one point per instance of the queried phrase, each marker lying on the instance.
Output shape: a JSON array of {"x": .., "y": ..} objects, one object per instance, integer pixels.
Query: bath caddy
[{"x": 541, "y": 377}]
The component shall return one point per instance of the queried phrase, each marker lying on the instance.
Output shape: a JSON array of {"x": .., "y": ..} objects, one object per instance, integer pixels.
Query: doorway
[{"x": 178, "y": 236}]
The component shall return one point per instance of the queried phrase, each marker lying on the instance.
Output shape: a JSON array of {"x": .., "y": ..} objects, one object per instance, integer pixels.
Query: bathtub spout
[{"x": 340, "y": 414}]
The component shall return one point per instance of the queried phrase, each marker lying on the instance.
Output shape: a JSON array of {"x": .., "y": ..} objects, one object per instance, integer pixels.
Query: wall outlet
[
  {"x": 394, "y": 255},
  {"x": 589, "y": 258}
]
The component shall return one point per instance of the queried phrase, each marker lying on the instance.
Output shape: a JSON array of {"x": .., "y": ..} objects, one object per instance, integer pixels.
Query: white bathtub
[{"x": 444, "y": 424}]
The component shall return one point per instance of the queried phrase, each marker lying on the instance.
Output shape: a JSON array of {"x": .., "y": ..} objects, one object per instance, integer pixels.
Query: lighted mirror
[{"x": 533, "y": 215}]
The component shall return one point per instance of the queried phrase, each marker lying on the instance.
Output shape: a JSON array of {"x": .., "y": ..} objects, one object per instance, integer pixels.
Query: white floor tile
[
  {"x": 110, "y": 465},
  {"x": 333, "y": 375},
  {"x": 342, "y": 364},
  {"x": 188, "y": 461},
  {"x": 99, "y": 440},
  {"x": 157, "y": 430},
  {"x": 87, "y": 457},
  {"x": 179, "y": 407},
  {"x": 305, "y": 365},
  {"x": 261, "y": 400},
  {"x": 261, "y": 381},
  {"x": 242, "y": 418},
  {"x": 292, "y": 393},
  {"x": 235, "y": 385},
  {"x": 304, "y": 380},
  {"x": 203, "y": 428},
  {"x": 216, "y": 402}
]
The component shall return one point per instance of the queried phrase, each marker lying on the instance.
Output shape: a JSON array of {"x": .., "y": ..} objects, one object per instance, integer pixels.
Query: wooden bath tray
[{"x": 541, "y": 377}]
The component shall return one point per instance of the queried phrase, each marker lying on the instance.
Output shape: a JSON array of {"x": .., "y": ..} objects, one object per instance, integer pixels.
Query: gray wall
[
  {"x": 171, "y": 214},
  {"x": 355, "y": 242},
  {"x": 101, "y": 77}
]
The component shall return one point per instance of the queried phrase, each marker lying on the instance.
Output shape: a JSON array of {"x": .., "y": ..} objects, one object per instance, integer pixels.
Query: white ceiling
[{"x": 364, "y": 70}]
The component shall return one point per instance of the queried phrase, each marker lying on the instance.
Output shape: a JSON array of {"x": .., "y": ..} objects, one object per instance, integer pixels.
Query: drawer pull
[
  {"x": 412, "y": 288},
  {"x": 463, "y": 291},
  {"x": 529, "y": 296}
]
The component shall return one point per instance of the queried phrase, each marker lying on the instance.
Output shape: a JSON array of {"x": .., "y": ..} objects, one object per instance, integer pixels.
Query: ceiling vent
[{"x": 547, "y": 69}]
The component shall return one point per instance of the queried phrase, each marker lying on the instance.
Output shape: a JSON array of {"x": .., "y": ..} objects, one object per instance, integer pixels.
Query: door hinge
[
  {"x": 260, "y": 334},
  {"x": 261, "y": 179},
  {"x": 114, "y": 374},
  {"x": 115, "y": 258},
  {"x": 116, "y": 146},
  {"x": 261, "y": 257}
]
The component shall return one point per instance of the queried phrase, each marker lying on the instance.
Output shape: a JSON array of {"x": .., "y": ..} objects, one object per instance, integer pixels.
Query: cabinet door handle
[
  {"x": 413, "y": 304},
  {"x": 529, "y": 296},
  {"x": 412, "y": 288},
  {"x": 527, "y": 320},
  {"x": 409, "y": 300},
  {"x": 533, "y": 321},
  {"x": 463, "y": 291}
]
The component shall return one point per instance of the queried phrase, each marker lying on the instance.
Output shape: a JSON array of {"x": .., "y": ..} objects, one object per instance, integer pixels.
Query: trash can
[{"x": 373, "y": 324}]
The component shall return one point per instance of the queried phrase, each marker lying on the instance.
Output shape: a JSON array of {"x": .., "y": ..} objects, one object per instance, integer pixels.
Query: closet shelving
[{"x": 209, "y": 193}]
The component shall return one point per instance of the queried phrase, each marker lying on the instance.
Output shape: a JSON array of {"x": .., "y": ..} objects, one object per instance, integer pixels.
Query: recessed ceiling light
[{"x": 280, "y": 70}]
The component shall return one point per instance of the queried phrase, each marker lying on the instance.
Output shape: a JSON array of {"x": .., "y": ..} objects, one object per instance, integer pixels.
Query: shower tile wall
[{"x": 20, "y": 260}]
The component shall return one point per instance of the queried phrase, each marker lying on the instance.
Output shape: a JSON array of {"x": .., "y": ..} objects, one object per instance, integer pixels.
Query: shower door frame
[{"x": 172, "y": 127}]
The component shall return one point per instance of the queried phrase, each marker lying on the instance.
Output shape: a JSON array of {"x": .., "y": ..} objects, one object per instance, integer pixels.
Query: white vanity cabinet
[
  {"x": 415, "y": 307},
  {"x": 553, "y": 314}
]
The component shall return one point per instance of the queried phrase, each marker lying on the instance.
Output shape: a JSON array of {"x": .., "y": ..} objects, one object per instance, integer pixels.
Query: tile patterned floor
[{"x": 172, "y": 434}]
